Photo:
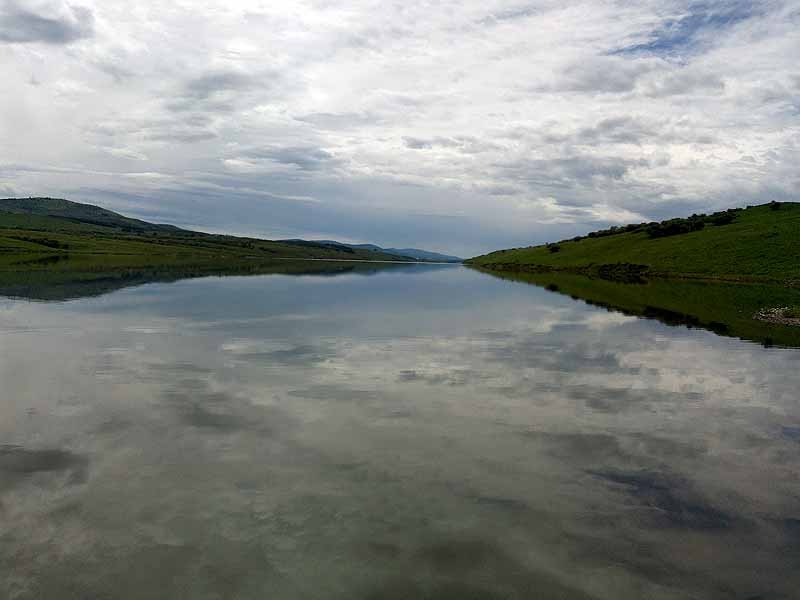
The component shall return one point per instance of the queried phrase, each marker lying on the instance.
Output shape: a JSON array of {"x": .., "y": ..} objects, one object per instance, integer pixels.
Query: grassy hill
[
  {"x": 758, "y": 243},
  {"x": 50, "y": 226},
  {"x": 75, "y": 212}
]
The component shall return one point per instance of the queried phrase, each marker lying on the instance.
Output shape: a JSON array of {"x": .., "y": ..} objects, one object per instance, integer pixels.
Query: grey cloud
[
  {"x": 568, "y": 171},
  {"x": 190, "y": 103},
  {"x": 60, "y": 23},
  {"x": 210, "y": 83},
  {"x": 619, "y": 130},
  {"x": 785, "y": 92},
  {"x": 511, "y": 14},
  {"x": 499, "y": 189},
  {"x": 306, "y": 158},
  {"x": 683, "y": 81},
  {"x": 181, "y": 127},
  {"x": 171, "y": 134},
  {"x": 464, "y": 144},
  {"x": 426, "y": 144},
  {"x": 220, "y": 91},
  {"x": 325, "y": 120},
  {"x": 116, "y": 71},
  {"x": 604, "y": 75},
  {"x": 651, "y": 77},
  {"x": 626, "y": 129}
]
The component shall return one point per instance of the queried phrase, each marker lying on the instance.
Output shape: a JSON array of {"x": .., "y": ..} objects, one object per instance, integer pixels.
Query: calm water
[{"x": 434, "y": 433}]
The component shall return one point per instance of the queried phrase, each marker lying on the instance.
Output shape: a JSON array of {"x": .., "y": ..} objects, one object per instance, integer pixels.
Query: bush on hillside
[
  {"x": 47, "y": 242},
  {"x": 675, "y": 227}
]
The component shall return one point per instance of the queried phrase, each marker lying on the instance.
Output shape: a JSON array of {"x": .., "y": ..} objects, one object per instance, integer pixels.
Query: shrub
[
  {"x": 723, "y": 218},
  {"x": 47, "y": 242},
  {"x": 675, "y": 227}
]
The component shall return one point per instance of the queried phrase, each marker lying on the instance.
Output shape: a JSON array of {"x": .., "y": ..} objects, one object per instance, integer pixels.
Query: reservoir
[{"x": 391, "y": 432}]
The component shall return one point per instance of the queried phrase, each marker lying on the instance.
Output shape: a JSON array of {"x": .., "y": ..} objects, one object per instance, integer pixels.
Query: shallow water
[{"x": 426, "y": 433}]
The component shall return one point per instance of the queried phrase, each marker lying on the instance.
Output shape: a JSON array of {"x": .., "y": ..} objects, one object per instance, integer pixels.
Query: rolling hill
[
  {"x": 52, "y": 226},
  {"x": 757, "y": 243}
]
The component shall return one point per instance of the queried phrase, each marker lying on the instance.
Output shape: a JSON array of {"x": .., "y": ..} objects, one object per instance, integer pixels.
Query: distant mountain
[
  {"x": 423, "y": 255},
  {"x": 415, "y": 253}
]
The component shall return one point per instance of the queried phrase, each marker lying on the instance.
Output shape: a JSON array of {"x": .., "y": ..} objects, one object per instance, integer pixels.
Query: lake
[{"x": 423, "y": 432}]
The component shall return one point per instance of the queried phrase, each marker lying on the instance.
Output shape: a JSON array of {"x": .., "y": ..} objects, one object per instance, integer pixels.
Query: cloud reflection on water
[{"x": 391, "y": 442}]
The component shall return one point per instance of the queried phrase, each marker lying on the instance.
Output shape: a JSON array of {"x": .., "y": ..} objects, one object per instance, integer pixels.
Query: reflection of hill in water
[
  {"x": 724, "y": 308},
  {"x": 52, "y": 279}
]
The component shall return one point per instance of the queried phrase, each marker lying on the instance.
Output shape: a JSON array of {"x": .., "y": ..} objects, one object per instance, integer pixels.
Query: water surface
[{"x": 417, "y": 433}]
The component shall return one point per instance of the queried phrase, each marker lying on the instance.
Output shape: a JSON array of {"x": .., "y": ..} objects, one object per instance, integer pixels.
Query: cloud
[
  {"x": 47, "y": 21},
  {"x": 519, "y": 122},
  {"x": 605, "y": 74},
  {"x": 214, "y": 91},
  {"x": 305, "y": 158}
]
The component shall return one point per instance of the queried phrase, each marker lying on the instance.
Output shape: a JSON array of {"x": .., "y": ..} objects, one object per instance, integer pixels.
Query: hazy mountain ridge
[{"x": 414, "y": 253}]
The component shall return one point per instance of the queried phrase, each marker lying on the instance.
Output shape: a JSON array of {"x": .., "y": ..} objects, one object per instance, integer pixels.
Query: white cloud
[{"x": 383, "y": 113}]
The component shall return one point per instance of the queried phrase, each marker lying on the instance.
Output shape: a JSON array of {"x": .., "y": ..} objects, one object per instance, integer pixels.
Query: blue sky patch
[{"x": 684, "y": 34}]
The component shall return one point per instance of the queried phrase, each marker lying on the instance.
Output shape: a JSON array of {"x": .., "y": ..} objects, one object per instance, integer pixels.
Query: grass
[{"x": 762, "y": 244}]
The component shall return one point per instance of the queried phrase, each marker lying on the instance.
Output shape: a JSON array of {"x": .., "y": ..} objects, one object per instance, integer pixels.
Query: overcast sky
[{"x": 459, "y": 126}]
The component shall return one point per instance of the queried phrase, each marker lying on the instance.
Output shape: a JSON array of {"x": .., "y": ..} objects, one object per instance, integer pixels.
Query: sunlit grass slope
[{"x": 760, "y": 243}]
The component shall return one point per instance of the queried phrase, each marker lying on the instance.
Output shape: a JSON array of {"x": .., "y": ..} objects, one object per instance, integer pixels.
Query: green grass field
[{"x": 761, "y": 244}]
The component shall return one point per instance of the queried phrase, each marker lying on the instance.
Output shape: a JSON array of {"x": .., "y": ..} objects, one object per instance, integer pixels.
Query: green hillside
[
  {"x": 76, "y": 212},
  {"x": 43, "y": 227},
  {"x": 759, "y": 243}
]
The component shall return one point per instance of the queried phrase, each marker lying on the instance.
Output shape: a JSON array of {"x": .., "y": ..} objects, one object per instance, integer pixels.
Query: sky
[{"x": 457, "y": 126}]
